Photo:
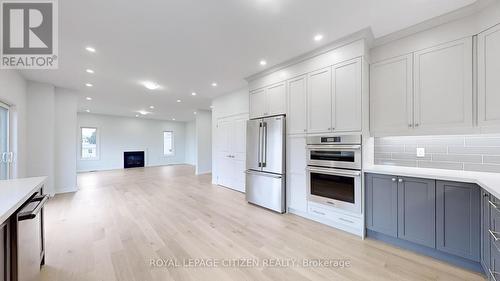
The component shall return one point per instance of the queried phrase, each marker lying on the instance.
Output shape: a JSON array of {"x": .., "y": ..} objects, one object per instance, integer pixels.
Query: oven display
[
  {"x": 334, "y": 187},
  {"x": 330, "y": 139}
]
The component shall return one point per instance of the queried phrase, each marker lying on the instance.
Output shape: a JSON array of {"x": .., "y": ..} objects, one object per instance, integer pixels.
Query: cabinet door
[
  {"x": 319, "y": 101},
  {"x": 258, "y": 103},
  {"x": 485, "y": 227},
  {"x": 297, "y": 192},
  {"x": 391, "y": 93},
  {"x": 297, "y": 105},
  {"x": 488, "y": 72},
  {"x": 458, "y": 219},
  {"x": 443, "y": 86},
  {"x": 382, "y": 204},
  {"x": 276, "y": 99},
  {"x": 346, "y": 115},
  {"x": 417, "y": 211},
  {"x": 3, "y": 252}
]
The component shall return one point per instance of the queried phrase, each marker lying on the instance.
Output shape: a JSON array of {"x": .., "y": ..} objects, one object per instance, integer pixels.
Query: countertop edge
[
  {"x": 5, "y": 216},
  {"x": 488, "y": 181}
]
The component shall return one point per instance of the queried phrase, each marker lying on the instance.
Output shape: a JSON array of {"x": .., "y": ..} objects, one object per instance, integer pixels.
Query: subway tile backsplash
[{"x": 467, "y": 152}]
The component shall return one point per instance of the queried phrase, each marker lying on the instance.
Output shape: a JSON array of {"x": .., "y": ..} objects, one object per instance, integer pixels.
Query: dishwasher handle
[{"x": 31, "y": 214}]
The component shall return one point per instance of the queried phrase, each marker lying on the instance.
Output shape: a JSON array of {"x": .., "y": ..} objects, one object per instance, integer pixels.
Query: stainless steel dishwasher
[{"x": 30, "y": 241}]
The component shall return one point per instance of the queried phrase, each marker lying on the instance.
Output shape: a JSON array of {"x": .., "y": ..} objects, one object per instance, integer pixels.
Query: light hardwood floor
[{"x": 119, "y": 221}]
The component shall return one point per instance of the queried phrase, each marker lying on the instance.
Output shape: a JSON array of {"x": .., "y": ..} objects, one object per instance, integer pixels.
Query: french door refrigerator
[{"x": 265, "y": 163}]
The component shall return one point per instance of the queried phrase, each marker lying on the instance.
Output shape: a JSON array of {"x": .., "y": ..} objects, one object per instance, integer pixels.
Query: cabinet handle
[
  {"x": 318, "y": 212},
  {"x": 349, "y": 221},
  {"x": 416, "y": 125},
  {"x": 410, "y": 125},
  {"x": 393, "y": 179},
  {"x": 400, "y": 180},
  {"x": 492, "y": 233},
  {"x": 305, "y": 130},
  {"x": 492, "y": 273}
]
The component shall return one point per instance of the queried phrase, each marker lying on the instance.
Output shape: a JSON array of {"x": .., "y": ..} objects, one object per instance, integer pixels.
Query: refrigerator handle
[
  {"x": 260, "y": 144},
  {"x": 264, "y": 144}
]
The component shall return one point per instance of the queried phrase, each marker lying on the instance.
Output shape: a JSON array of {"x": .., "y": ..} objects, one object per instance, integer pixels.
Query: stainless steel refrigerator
[{"x": 265, "y": 174}]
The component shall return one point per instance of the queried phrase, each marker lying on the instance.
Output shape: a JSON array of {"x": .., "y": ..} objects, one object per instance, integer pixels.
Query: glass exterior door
[{"x": 5, "y": 156}]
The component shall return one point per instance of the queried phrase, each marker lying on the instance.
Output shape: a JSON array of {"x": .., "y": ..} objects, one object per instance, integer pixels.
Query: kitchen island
[{"x": 21, "y": 219}]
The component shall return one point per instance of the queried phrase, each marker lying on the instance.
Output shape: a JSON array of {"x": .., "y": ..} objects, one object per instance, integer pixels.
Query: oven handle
[
  {"x": 330, "y": 146},
  {"x": 329, "y": 171}
]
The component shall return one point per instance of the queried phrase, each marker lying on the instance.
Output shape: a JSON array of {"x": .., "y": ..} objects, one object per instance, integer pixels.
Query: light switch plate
[{"x": 420, "y": 152}]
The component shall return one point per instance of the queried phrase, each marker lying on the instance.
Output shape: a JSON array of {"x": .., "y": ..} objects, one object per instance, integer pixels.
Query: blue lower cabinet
[
  {"x": 417, "y": 211},
  {"x": 485, "y": 231},
  {"x": 445, "y": 220},
  {"x": 458, "y": 219},
  {"x": 382, "y": 204}
]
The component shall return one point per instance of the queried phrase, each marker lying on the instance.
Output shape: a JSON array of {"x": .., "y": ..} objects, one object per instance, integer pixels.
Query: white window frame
[
  {"x": 97, "y": 143},
  {"x": 171, "y": 154}
]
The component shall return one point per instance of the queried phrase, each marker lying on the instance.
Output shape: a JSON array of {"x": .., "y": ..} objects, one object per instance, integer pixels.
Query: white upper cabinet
[
  {"x": 391, "y": 95},
  {"x": 489, "y": 77},
  {"x": 443, "y": 86},
  {"x": 258, "y": 103},
  {"x": 276, "y": 99},
  {"x": 268, "y": 101},
  {"x": 319, "y": 101},
  {"x": 346, "y": 96},
  {"x": 297, "y": 105}
]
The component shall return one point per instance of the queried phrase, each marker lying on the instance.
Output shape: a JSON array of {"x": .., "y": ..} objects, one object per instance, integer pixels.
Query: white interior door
[{"x": 6, "y": 156}]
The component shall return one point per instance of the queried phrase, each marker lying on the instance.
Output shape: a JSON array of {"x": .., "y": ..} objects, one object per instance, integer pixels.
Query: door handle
[
  {"x": 264, "y": 144},
  {"x": 249, "y": 172}
]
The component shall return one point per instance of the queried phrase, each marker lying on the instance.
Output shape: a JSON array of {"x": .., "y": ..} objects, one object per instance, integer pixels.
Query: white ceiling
[{"x": 185, "y": 45}]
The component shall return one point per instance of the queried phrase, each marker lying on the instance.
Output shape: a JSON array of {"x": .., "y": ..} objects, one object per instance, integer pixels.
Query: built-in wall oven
[{"x": 334, "y": 171}]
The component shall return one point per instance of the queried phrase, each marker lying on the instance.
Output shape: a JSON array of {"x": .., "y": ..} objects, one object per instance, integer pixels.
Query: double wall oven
[{"x": 334, "y": 171}]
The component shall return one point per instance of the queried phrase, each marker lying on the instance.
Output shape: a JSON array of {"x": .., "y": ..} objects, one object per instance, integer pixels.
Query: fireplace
[{"x": 133, "y": 159}]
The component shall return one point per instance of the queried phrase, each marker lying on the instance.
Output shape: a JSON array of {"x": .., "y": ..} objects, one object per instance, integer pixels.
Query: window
[
  {"x": 88, "y": 143},
  {"x": 168, "y": 143}
]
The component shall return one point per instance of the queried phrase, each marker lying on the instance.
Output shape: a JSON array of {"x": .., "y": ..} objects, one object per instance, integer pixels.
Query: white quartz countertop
[
  {"x": 13, "y": 193},
  {"x": 488, "y": 181}
]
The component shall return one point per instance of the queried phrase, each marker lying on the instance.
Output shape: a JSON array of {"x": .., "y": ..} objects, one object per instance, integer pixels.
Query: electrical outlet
[{"x": 420, "y": 152}]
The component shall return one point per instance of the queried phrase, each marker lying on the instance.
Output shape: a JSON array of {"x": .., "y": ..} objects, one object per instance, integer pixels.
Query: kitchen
[{"x": 368, "y": 153}]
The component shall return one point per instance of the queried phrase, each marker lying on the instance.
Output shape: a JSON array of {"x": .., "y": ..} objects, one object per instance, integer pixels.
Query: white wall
[
  {"x": 191, "y": 144},
  {"x": 119, "y": 134},
  {"x": 41, "y": 132},
  {"x": 203, "y": 142},
  {"x": 231, "y": 104},
  {"x": 13, "y": 92},
  {"x": 51, "y": 136},
  {"x": 65, "y": 139}
]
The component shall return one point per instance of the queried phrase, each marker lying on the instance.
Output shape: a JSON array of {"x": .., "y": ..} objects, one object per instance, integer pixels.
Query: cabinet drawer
[{"x": 333, "y": 216}]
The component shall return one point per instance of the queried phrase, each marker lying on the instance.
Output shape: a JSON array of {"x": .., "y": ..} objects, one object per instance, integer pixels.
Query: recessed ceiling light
[
  {"x": 88, "y": 98},
  {"x": 137, "y": 115},
  {"x": 214, "y": 84},
  {"x": 178, "y": 100},
  {"x": 88, "y": 70},
  {"x": 90, "y": 49},
  {"x": 87, "y": 110},
  {"x": 151, "y": 106},
  {"x": 318, "y": 37},
  {"x": 173, "y": 119},
  {"x": 150, "y": 85},
  {"x": 263, "y": 62},
  {"x": 88, "y": 85},
  {"x": 143, "y": 112},
  {"x": 193, "y": 94},
  {"x": 194, "y": 113},
  {"x": 212, "y": 106}
]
